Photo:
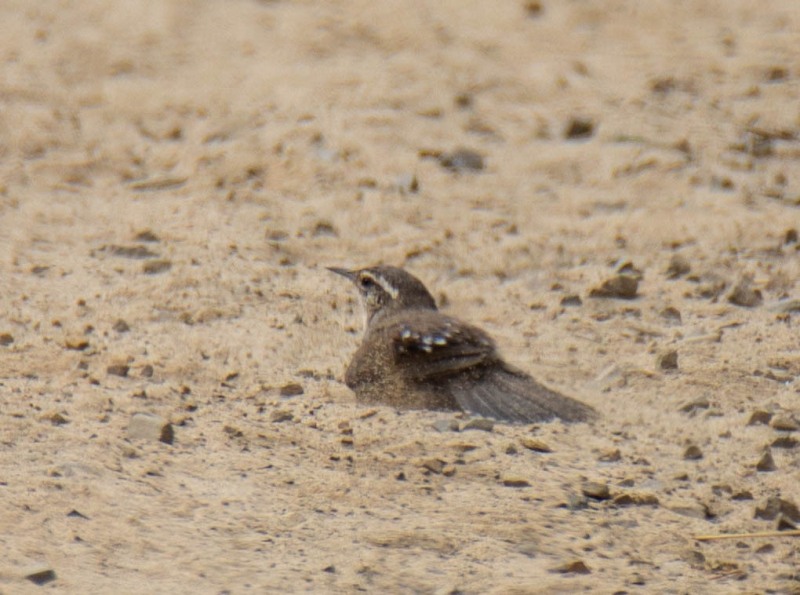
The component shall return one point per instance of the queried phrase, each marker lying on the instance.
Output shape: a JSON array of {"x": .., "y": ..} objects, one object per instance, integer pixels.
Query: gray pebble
[{"x": 148, "y": 426}]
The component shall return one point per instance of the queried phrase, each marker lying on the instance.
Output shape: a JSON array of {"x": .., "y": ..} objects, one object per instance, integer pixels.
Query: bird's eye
[{"x": 366, "y": 282}]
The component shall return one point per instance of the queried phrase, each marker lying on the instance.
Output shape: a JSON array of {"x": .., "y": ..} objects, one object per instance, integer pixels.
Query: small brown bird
[{"x": 414, "y": 357}]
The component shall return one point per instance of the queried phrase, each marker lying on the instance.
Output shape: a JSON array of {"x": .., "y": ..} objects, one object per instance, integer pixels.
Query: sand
[{"x": 176, "y": 175}]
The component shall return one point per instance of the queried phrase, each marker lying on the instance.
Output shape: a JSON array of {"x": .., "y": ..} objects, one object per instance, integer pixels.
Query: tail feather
[{"x": 509, "y": 395}]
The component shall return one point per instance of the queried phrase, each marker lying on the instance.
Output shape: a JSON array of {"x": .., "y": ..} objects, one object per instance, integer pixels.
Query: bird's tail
[{"x": 510, "y": 395}]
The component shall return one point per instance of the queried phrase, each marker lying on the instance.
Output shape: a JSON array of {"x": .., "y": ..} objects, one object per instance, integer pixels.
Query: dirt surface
[{"x": 175, "y": 176}]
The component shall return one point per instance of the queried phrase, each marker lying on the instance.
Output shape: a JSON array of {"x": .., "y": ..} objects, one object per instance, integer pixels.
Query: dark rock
[
  {"x": 292, "y": 389},
  {"x": 790, "y": 237},
  {"x": 146, "y": 236},
  {"x": 667, "y": 361},
  {"x": 785, "y": 524},
  {"x": 40, "y": 574},
  {"x": 154, "y": 267},
  {"x": 742, "y": 495},
  {"x": 147, "y": 371},
  {"x": 579, "y": 128},
  {"x": 671, "y": 315},
  {"x": 571, "y": 300},
  {"x": 622, "y": 287},
  {"x": 759, "y": 417},
  {"x": 516, "y": 482},
  {"x": 693, "y": 453},
  {"x": 573, "y": 567},
  {"x": 433, "y": 465},
  {"x": 766, "y": 463},
  {"x": 134, "y": 252},
  {"x": 696, "y": 405},
  {"x": 784, "y": 423},
  {"x": 118, "y": 370},
  {"x": 787, "y": 442},
  {"x": 6, "y": 339},
  {"x": 121, "y": 326},
  {"x": 76, "y": 343},
  {"x": 55, "y": 418}
]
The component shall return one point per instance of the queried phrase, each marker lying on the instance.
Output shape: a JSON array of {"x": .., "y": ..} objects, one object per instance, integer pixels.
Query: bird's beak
[{"x": 343, "y": 272}]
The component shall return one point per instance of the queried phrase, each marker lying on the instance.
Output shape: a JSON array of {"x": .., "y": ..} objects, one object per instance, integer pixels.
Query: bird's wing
[{"x": 436, "y": 346}]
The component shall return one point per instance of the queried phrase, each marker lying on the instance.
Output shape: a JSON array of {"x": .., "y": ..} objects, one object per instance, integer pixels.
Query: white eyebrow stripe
[{"x": 385, "y": 285}]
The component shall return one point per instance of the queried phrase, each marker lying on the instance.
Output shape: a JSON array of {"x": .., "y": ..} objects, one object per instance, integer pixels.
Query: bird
[{"x": 412, "y": 356}]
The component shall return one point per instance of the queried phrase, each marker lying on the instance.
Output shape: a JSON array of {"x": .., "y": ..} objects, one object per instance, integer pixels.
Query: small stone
[
  {"x": 689, "y": 508},
  {"x": 667, "y": 361},
  {"x": 445, "y": 425},
  {"x": 292, "y": 389},
  {"x": 462, "y": 160},
  {"x": 775, "y": 506},
  {"x": 480, "y": 423},
  {"x": 76, "y": 514},
  {"x": 696, "y": 405},
  {"x": 678, "y": 267},
  {"x": 576, "y": 501},
  {"x": 744, "y": 295},
  {"x": 148, "y": 426},
  {"x": 787, "y": 442},
  {"x": 154, "y": 267},
  {"x": 118, "y": 370},
  {"x": 621, "y": 287},
  {"x": 767, "y": 548},
  {"x": 516, "y": 482},
  {"x": 636, "y": 499},
  {"x": 596, "y": 490},
  {"x": 407, "y": 184},
  {"x": 571, "y": 300},
  {"x": 146, "y": 236},
  {"x": 55, "y": 418},
  {"x": 147, "y": 371},
  {"x": 742, "y": 495},
  {"x": 578, "y": 128},
  {"x": 535, "y": 444},
  {"x": 330, "y": 569},
  {"x": 573, "y": 567},
  {"x": 121, "y": 326},
  {"x": 40, "y": 574},
  {"x": 612, "y": 455},
  {"x": 759, "y": 417},
  {"x": 784, "y": 424},
  {"x": 232, "y": 431},
  {"x": 693, "y": 453},
  {"x": 280, "y": 415},
  {"x": 433, "y": 465},
  {"x": 76, "y": 343},
  {"x": 671, "y": 315},
  {"x": 766, "y": 463},
  {"x": 6, "y": 339}
]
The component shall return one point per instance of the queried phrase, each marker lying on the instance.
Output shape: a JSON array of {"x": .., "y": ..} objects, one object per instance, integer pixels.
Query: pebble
[
  {"x": 572, "y": 567},
  {"x": 154, "y": 267},
  {"x": 775, "y": 506},
  {"x": 280, "y": 416},
  {"x": 535, "y": 444},
  {"x": 55, "y": 418},
  {"x": 292, "y": 389},
  {"x": 462, "y": 160},
  {"x": 689, "y": 508},
  {"x": 578, "y": 128},
  {"x": 480, "y": 423},
  {"x": 6, "y": 339},
  {"x": 693, "y": 453},
  {"x": 41, "y": 574},
  {"x": 667, "y": 361},
  {"x": 571, "y": 300},
  {"x": 76, "y": 343},
  {"x": 759, "y": 417},
  {"x": 744, "y": 295},
  {"x": 671, "y": 315},
  {"x": 445, "y": 425},
  {"x": 785, "y": 442},
  {"x": 596, "y": 490},
  {"x": 621, "y": 287},
  {"x": 636, "y": 499},
  {"x": 121, "y": 326},
  {"x": 678, "y": 267},
  {"x": 516, "y": 482},
  {"x": 148, "y": 426},
  {"x": 612, "y": 455},
  {"x": 433, "y": 465},
  {"x": 766, "y": 463},
  {"x": 118, "y": 370},
  {"x": 784, "y": 423},
  {"x": 697, "y": 404}
]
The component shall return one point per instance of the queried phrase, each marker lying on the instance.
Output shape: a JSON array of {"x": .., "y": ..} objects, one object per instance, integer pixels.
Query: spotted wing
[{"x": 437, "y": 346}]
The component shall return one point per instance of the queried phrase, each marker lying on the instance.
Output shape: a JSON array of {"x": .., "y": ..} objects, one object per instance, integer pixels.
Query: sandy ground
[{"x": 175, "y": 176}]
